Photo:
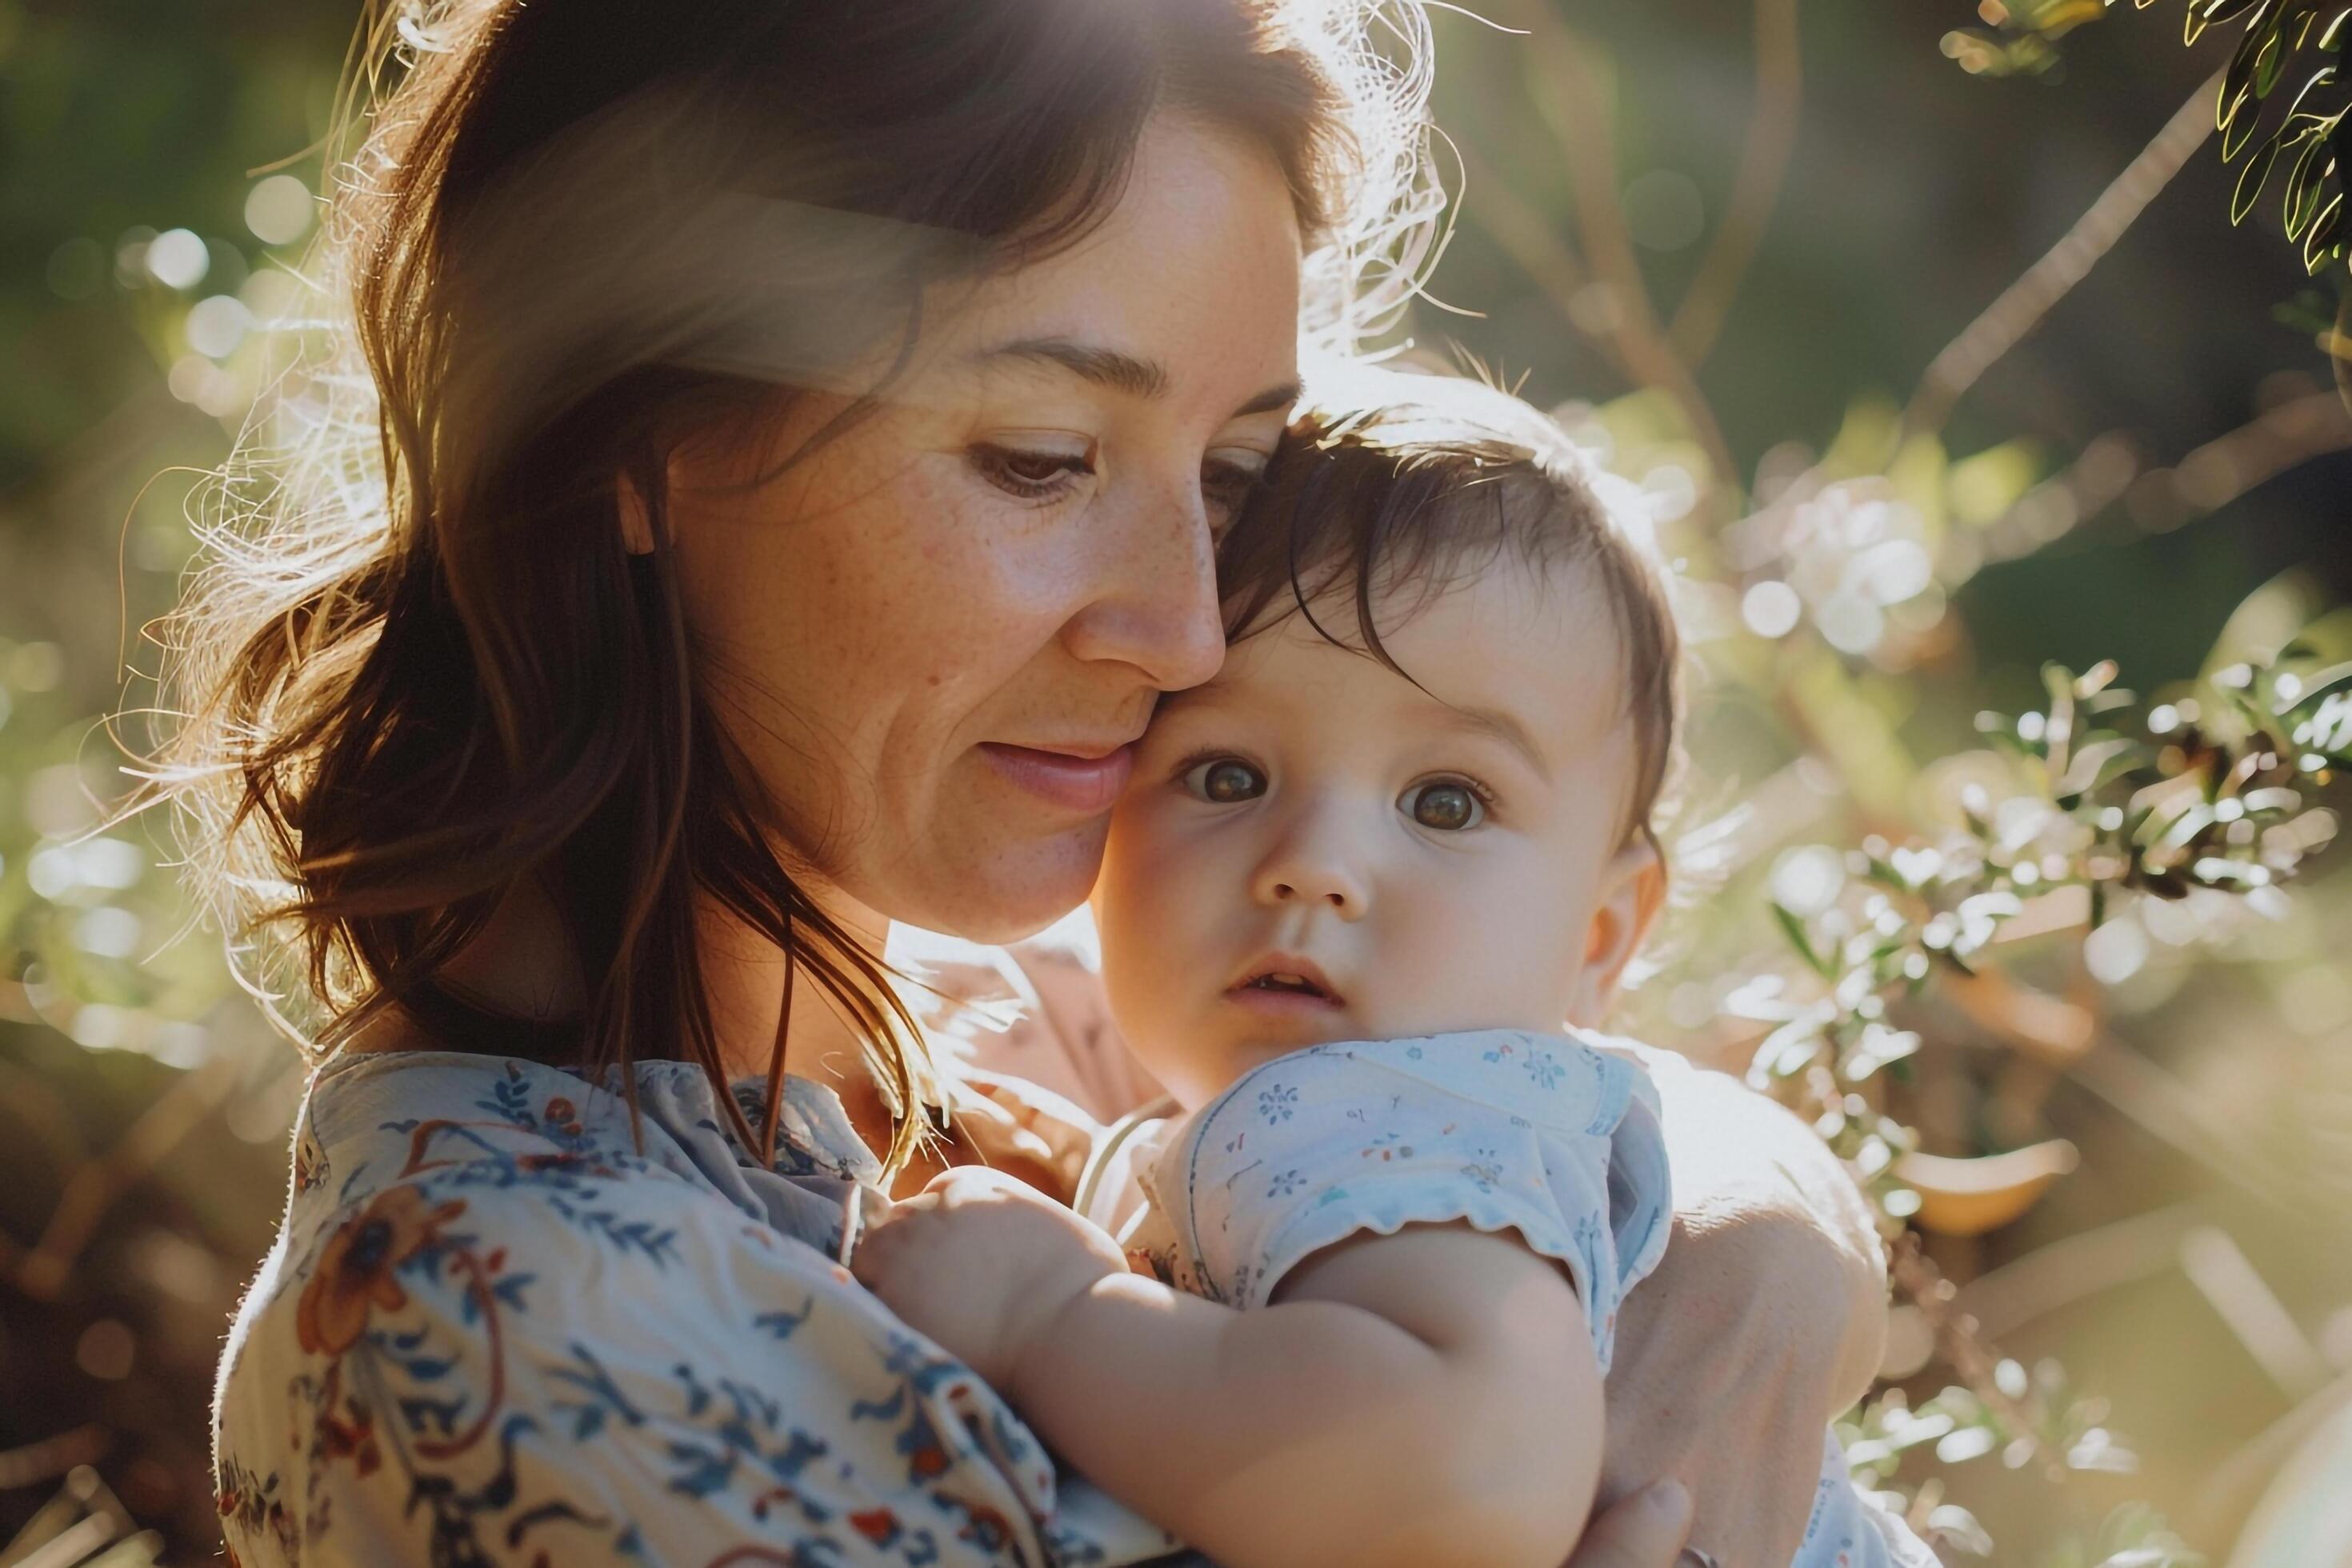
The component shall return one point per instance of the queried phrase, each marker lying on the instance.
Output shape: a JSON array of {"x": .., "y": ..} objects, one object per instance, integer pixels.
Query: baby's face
[{"x": 1313, "y": 849}]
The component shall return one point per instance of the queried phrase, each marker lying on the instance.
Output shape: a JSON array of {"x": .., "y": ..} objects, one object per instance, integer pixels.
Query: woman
[{"x": 803, "y": 431}]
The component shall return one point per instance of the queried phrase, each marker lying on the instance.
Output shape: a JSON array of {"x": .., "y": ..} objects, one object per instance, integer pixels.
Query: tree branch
[
  {"x": 2024, "y": 304},
  {"x": 1572, "y": 101},
  {"x": 1763, "y": 163},
  {"x": 1540, "y": 251}
]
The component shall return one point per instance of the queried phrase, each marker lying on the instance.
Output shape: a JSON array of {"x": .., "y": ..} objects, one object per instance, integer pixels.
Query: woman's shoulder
[
  {"x": 484, "y": 1193},
  {"x": 495, "y": 1329}
]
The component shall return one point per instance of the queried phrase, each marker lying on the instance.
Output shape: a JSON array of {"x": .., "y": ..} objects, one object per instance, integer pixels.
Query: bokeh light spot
[
  {"x": 1807, "y": 880},
  {"x": 217, "y": 324},
  {"x": 2113, "y": 952},
  {"x": 106, "y": 933},
  {"x": 105, "y": 1350},
  {"x": 278, "y": 210},
  {"x": 1851, "y": 622},
  {"x": 177, "y": 259},
  {"x": 1663, "y": 210},
  {"x": 1770, "y": 609}
]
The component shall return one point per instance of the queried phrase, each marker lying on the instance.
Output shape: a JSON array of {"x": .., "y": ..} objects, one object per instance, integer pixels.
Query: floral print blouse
[{"x": 495, "y": 1329}]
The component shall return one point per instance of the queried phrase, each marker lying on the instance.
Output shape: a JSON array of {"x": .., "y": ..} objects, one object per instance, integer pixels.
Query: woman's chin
[{"x": 1020, "y": 890}]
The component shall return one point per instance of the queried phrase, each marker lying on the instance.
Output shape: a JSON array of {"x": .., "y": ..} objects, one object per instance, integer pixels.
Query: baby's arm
[
  {"x": 1429, "y": 1397},
  {"x": 1424, "y": 1398}
]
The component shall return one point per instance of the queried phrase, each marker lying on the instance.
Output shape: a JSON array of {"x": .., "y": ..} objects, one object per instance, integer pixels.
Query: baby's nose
[{"x": 1301, "y": 875}]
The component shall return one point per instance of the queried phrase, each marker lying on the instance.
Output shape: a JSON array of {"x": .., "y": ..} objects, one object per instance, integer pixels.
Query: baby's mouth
[{"x": 1288, "y": 977}]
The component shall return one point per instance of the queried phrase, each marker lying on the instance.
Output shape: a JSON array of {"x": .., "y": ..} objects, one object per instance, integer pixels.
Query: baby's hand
[{"x": 982, "y": 1263}]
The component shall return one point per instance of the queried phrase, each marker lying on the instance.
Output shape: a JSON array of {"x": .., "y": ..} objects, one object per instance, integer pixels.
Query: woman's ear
[
  {"x": 1633, "y": 891},
  {"x": 636, "y": 517}
]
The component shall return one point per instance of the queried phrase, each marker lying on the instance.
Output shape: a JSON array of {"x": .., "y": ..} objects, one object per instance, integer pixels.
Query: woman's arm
[
  {"x": 1425, "y": 1398},
  {"x": 1765, "y": 1319}
]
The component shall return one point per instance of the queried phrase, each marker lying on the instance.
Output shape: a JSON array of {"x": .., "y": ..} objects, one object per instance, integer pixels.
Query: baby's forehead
[{"x": 1515, "y": 645}]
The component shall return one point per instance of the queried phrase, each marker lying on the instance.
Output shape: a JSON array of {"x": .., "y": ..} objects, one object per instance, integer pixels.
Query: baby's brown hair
[{"x": 1391, "y": 481}]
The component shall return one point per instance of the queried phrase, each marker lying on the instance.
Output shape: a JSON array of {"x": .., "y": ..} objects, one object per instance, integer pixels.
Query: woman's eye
[
  {"x": 1226, "y": 781},
  {"x": 1226, "y": 483},
  {"x": 1447, "y": 805},
  {"x": 1032, "y": 474}
]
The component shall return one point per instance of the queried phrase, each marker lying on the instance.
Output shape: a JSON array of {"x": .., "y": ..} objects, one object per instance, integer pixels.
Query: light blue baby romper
[{"x": 1550, "y": 1137}]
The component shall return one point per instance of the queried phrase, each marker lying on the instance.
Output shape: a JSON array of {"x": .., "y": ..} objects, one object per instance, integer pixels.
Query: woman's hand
[
  {"x": 1765, "y": 1319},
  {"x": 982, "y": 1263}
]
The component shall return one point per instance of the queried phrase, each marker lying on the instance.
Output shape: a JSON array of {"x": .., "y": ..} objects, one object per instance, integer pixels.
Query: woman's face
[{"x": 938, "y": 635}]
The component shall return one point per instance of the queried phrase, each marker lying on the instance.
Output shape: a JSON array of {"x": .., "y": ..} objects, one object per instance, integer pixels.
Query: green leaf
[
  {"x": 2235, "y": 108},
  {"x": 2249, "y": 181},
  {"x": 2271, "y": 60},
  {"x": 2321, "y": 77},
  {"x": 1794, "y": 928},
  {"x": 2092, "y": 765},
  {"x": 2238, "y": 81},
  {"x": 2238, "y": 128},
  {"x": 2305, "y": 187},
  {"x": 2327, "y": 232},
  {"x": 2315, "y": 687},
  {"x": 2332, "y": 39}
]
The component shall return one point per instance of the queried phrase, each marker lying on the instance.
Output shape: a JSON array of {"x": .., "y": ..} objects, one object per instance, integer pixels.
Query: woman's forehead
[{"x": 1188, "y": 287}]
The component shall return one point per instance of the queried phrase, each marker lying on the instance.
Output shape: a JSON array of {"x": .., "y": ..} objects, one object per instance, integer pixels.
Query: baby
[{"x": 1360, "y": 882}]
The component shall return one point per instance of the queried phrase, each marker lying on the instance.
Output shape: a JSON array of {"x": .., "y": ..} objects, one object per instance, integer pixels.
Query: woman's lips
[{"x": 1084, "y": 785}]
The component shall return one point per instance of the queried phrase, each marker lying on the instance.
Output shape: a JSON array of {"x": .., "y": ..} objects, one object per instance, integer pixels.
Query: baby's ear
[{"x": 1633, "y": 891}]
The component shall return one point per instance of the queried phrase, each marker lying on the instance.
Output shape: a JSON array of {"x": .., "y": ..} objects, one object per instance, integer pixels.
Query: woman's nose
[
  {"x": 1156, "y": 603},
  {"x": 1311, "y": 869}
]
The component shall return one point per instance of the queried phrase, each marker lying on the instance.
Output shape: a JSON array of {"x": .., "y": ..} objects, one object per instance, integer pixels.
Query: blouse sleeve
[{"x": 534, "y": 1370}]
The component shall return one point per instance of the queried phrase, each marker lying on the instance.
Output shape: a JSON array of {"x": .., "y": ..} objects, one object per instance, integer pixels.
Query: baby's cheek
[
  {"x": 1134, "y": 914},
  {"x": 1490, "y": 957}
]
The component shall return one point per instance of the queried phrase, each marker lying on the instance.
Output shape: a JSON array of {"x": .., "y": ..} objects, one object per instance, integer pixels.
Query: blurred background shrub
[{"x": 1926, "y": 345}]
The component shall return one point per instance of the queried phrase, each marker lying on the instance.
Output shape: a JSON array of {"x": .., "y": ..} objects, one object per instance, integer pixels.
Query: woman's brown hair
[{"x": 419, "y": 668}]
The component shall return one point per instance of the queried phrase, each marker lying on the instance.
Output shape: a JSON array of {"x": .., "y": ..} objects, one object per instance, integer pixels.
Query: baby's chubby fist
[{"x": 982, "y": 1263}]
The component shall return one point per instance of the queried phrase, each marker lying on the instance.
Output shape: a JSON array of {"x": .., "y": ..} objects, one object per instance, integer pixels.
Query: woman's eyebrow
[
  {"x": 1102, "y": 367},
  {"x": 1123, "y": 372},
  {"x": 1275, "y": 399}
]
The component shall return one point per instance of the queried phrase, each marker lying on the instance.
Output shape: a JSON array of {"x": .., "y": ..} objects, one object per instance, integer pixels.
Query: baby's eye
[
  {"x": 1449, "y": 805},
  {"x": 1225, "y": 780}
]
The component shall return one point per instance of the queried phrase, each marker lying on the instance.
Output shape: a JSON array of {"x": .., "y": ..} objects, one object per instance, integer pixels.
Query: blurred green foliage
[
  {"x": 1727, "y": 240},
  {"x": 2296, "y": 44}
]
